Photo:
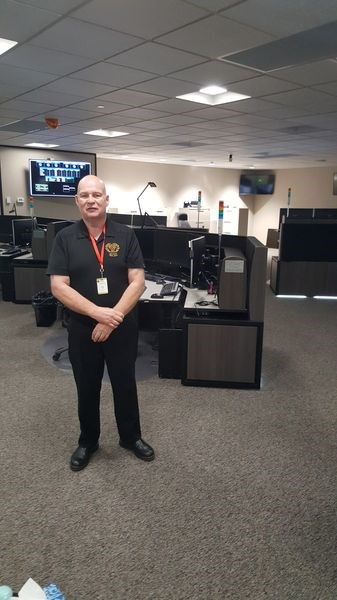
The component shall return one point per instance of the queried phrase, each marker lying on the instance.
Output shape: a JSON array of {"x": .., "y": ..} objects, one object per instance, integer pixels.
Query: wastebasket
[{"x": 45, "y": 307}]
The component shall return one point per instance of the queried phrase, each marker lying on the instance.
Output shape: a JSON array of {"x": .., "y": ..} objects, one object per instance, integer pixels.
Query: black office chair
[
  {"x": 183, "y": 221},
  {"x": 65, "y": 322}
]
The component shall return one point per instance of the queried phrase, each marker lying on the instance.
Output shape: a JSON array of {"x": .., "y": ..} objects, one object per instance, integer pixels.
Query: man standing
[{"x": 97, "y": 272}]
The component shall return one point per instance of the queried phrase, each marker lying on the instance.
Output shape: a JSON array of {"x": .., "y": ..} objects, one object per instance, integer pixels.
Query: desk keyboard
[{"x": 170, "y": 289}]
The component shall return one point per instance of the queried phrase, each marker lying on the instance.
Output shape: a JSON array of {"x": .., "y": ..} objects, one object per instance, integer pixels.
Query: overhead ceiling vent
[
  {"x": 24, "y": 126},
  {"x": 264, "y": 155},
  {"x": 188, "y": 144},
  {"x": 315, "y": 44},
  {"x": 300, "y": 129}
]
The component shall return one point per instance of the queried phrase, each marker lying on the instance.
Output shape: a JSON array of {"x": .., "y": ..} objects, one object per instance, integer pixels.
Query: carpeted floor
[{"x": 240, "y": 502}]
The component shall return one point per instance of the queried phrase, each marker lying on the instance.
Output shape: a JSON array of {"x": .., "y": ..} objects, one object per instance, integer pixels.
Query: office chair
[
  {"x": 65, "y": 322},
  {"x": 183, "y": 221}
]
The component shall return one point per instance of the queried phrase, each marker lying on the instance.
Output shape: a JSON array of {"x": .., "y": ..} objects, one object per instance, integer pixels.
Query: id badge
[{"x": 102, "y": 285}]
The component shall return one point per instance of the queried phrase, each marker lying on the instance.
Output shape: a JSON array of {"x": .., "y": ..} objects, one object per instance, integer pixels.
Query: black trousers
[{"x": 119, "y": 353}]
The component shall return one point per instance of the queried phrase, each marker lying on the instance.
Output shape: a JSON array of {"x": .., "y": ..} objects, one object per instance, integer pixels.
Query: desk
[
  {"x": 7, "y": 272},
  {"x": 308, "y": 278},
  {"x": 29, "y": 278},
  {"x": 220, "y": 348},
  {"x": 159, "y": 313}
]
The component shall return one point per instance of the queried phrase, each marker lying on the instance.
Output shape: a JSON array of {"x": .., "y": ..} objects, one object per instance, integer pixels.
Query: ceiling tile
[
  {"x": 49, "y": 61},
  {"x": 180, "y": 120},
  {"x": 59, "y": 6},
  {"x": 156, "y": 58},
  {"x": 94, "y": 103},
  {"x": 141, "y": 113},
  {"x": 150, "y": 18},
  {"x": 314, "y": 73},
  {"x": 214, "y": 72},
  {"x": 129, "y": 97},
  {"x": 260, "y": 86},
  {"x": 285, "y": 17},
  {"x": 329, "y": 88},
  {"x": 165, "y": 86},
  {"x": 214, "y": 37},
  {"x": 77, "y": 87},
  {"x": 23, "y": 77},
  {"x": 105, "y": 72},
  {"x": 174, "y": 105},
  {"x": 30, "y": 108},
  {"x": 54, "y": 99},
  {"x": 61, "y": 37},
  {"x": 20, "y": 21},
  {"x": 303, "y": 97},
  {"x": 213, "y": 4}
]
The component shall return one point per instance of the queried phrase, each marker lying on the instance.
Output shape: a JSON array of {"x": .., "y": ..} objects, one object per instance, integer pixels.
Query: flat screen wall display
[
  {"x": 256, "y": 183},
  {"x": 56, "y": 177}
]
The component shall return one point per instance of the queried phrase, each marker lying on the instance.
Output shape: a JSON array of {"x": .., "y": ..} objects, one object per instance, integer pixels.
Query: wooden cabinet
[{"x": 235, "y": 221}]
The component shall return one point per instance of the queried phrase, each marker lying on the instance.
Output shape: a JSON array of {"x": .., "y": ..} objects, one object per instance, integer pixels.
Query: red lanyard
[{"x": 99, "y": 255}]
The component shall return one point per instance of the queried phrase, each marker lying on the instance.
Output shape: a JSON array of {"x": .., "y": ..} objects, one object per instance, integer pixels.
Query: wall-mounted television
[
  {"x": 256, "y": 183},
  {"x": 56, "y": 177}
]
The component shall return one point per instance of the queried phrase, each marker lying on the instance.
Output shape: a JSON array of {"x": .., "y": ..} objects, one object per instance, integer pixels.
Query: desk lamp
[{"x": 149, "y": 183}]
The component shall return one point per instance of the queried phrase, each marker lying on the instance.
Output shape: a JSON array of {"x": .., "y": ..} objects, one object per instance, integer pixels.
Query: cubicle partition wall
[
  {"x": 307, "y": 261},
  {"x": 223, "y": 347}
]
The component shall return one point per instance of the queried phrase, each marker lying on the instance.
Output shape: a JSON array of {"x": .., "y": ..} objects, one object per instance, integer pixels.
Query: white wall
[
  {"x": 175, "y": 184},
  {"x": 15, "y": 182},
  {"x": 310, "y": 188}
]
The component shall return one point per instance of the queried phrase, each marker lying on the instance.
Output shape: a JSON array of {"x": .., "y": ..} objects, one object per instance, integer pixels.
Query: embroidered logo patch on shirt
[{"x": 112, "y": 249}]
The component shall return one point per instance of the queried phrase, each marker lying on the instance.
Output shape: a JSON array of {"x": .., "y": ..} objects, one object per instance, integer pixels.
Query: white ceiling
[{"x": 133, "y": 57}]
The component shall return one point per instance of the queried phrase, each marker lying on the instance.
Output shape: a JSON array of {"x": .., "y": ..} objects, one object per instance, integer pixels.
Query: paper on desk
[{"x": 31, "y": 591}]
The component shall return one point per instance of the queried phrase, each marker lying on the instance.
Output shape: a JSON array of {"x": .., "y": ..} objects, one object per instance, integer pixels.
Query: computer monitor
[
  {"x": 197, "y": 251},
  {"x": 145, "y": 240},
  {"x": 171, "y": 249},
  {"x": 22, "y": 231},
  {"x": 295, "y": 214},
  {"x": 326, "y": 213}
]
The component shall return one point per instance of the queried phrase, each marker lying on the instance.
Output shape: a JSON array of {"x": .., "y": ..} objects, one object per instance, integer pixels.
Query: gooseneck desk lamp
[{"x": 151, "y": 184}]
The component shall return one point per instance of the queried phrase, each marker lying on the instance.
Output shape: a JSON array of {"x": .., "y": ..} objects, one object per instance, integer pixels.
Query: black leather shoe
[
  {"x": 80, "y": 458},
  {"x": 140, "y": 448}
]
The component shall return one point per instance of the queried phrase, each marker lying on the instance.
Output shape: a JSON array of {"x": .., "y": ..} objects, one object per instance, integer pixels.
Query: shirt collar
[{"x": 82, "y": 231}]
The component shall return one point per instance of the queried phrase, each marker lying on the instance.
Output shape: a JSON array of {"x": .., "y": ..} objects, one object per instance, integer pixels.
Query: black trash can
[{"x": 45, "y": 307}]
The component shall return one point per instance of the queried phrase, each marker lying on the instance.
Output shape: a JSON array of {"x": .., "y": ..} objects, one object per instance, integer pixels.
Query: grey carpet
[{"x": 240, "y": 502}]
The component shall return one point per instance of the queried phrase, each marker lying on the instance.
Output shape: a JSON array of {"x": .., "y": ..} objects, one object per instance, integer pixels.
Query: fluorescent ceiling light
[
  {"x": 6, "y": 45},
  {"x": 325, "y": 297},
  {"x": 213, "y": 100},
  {"x": 39, "y": 145},
  {"x": 105, "y": 132},
  {"x": 213, "y": 90}
]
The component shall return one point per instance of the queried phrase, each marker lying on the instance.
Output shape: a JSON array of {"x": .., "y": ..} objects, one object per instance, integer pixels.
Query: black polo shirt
[{"x": 73, "y": 255}]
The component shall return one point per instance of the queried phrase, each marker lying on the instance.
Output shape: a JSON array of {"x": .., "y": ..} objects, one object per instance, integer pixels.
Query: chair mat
[{"x": 147, "y": 358}]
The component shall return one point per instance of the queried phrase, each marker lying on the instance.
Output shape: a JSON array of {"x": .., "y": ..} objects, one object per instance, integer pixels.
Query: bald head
[
  {"x": 92, "y": 200},
  {"x": 90, "y": 180}
]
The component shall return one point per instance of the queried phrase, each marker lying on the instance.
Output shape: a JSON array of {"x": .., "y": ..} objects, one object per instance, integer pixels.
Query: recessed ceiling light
[
  {"x": 213, "y": 90},
  {"x": 213, "y": 100},
  {"x": 100, "y": 106},
  {"x": 6, "y": 45},
  {"x": 105, "y": 132},
  {"x": 40, "y": 145}
]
